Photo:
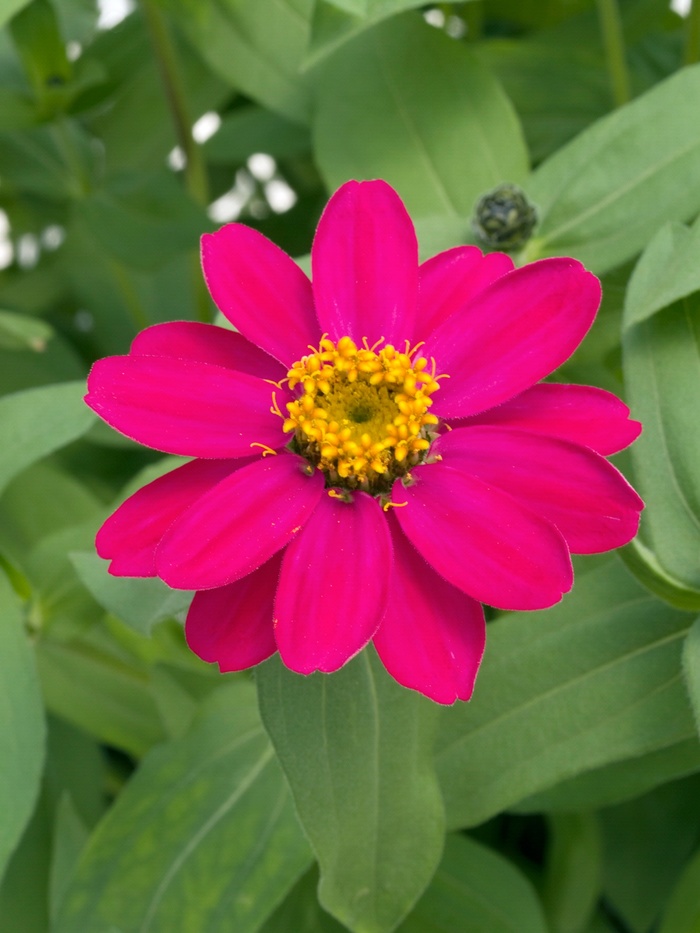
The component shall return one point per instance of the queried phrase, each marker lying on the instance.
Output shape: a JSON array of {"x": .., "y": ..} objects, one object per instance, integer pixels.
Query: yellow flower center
[{"x": 363, "y": 413}]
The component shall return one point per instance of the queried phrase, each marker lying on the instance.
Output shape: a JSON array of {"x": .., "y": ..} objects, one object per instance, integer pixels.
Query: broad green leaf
[
  {"x": 683, "y": 912},
  {"x": 143, "y": 219},
  {"x": 336, "y": 21},
  {"x": 476, "y": 890},
  {"x": 691, "y": 668},
  {"x": 70, "y": 836},
  {"x": 101, "y": 694},
  {"x": 574, "y": 867},
  {"x": 667, "y": 270},
  {"x": 357, "y": 751},
  {"x": 612, "y": 784},
  {"x": 22, "y": 332},
  {"x": 563, "y": 691},
  {"x": 301, "y": 912},
  {"x": 36, "y": 422},
  {"x": 34, "y": 162},
  {"x": 24, "y": 904},
  {"x": 139, "y": 603},
  {"x": 662, "y": 376},
  {"x": 646, "y": 843},
  {"x": 22, "y": 728},
  {"x": 37, "y": 37},
  {"x": 257, "y": 47},
  {"x": 204, "y": 835},
  {"x": 644, "y": 565},
  {"x": 8, "y": 8},
  {"x": 603, "y": 195},
  {"x": 406, "y": 103}
]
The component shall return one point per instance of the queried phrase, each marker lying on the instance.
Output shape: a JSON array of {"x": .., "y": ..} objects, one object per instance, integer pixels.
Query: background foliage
[{"x": 139, "y": 789}]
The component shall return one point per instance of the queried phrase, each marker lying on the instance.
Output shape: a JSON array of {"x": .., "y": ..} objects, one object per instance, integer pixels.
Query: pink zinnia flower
[{"x": 329, "y": 503}]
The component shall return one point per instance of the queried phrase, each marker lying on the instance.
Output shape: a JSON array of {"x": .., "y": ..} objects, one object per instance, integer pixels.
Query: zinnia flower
[{"x": 375, "y": 453}]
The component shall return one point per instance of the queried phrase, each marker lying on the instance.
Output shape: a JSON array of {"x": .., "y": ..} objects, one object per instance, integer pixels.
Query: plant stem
[
  {"x": 166, "y": 59},
  {"x": 196, "y": 179},
  {"x": 692, "y": 36},
  {"x": 614, "y": 42}
]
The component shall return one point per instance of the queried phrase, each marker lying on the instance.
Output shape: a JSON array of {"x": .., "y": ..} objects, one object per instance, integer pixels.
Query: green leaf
[
  {"x": 336, "y": 21},
  {"x": 301, "y": 912},
  {"x": 22, "y": 332},
  {"x": 41, "y": 47},
  {"x": 476, "y": 890},
  {"x": 23, "y": 894},
  {"x": 603, "y": 787},
  {"x": 667, "y": 270},
  {"x": 8, "y": 8},
  {"x": 357, "y": 752},
  {"x": 563, "y": 691},
  {"x": 646, "y": 843},
  {"x": 683, "y": 912},
  {"x": 101, "y": 694},
  {"x": 70, "y": 836},
  {"x": 204, "y": 835},
  {"x": 139, "y": 603},
  {"x": 36, "y": 422},
  {"x": 257, "y": 47},
  {"x": 143, "y": 219},
  {"x": 642, "y": 562},
  {"x": 691, "y": 668},
  {"x": 601, "y": 196},
  {"x": 574, "y": 867},
  {"x": 22, "y": 727},
  {"x": 662, "y": 375},
  {"x": 406, "y": 103}
]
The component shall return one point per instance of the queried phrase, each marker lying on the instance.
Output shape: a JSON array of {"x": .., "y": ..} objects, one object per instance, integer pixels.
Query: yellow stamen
[
  {"x": 361, "y": 413},
  {"x": 393, "y": 505},
  {"x": 266, "y": 451}
]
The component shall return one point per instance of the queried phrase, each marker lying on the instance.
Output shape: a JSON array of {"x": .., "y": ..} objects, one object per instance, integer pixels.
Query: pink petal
[
  {"x": 232, "y": 625},
  {"x": 365, "y": 265},
  {"x": 185, "y": 407},
  {"x": 512, "y": 334},
  {"x": 334, "y": 585},
  {"x": 261, "y": 290},
  {"x": 576, "y": 489},
  {"x": 432, "y": 635},
  {"x": 232, "y": 530},
  {"x": 450, "y": 280},
  {"x": 131, "y": 534},
  {"x": 483, "y": 541},
  {"x": 583, "y": 414},
  {"x": 189, "y": 340}
]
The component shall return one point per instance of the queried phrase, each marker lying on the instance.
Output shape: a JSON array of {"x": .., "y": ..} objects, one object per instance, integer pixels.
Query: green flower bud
[{"x": 504, "y": 218}]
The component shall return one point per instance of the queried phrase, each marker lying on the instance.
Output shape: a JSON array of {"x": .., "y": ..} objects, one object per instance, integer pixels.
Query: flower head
[{"x": 375, "y": 455}]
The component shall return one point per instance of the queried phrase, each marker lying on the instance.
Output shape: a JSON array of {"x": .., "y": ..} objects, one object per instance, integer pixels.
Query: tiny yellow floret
[{"x": 362, "y": 413}]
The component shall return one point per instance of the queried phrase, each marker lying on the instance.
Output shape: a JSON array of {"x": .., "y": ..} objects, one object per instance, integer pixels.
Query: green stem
[
  {"x": 614, "y": 42},
  {"x": 166, "y": 58},
  {"x": 196, "y": 179},
  {"x": 692, "y": 36}
]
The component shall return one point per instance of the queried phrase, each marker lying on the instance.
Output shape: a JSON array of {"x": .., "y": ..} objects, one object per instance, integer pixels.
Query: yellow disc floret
[{"x": 362, "y": 416}]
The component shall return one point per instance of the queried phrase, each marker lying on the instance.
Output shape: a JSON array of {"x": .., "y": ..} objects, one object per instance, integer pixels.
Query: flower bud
[{"x": 504, "y": 218}]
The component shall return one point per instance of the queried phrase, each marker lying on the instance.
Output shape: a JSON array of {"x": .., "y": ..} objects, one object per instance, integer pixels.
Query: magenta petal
[
  {"x": 449, "y": 281},
  {"x": 432, "y": 635},
  {"x": 590, "y": 502},
  {"x": 261, "y": 290},
  {"x": 239, "y": 524},
  {"x": 185, "y": 407},
  {"x": 232, "y": 625},
  {"x": 334, "y": 585},
  {"x": 190, "y": 340},
  {"x": 365, "y": 265},
  {"x": 130, "y": 535},
  {"x": 482, "y": 540},
  {"x": 582, "y": 414},
  {"x": 512, "y": 334}
]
